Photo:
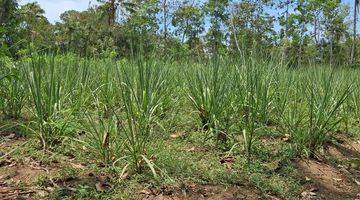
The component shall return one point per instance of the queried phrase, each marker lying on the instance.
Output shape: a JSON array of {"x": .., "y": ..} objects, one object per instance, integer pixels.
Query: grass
[
  {"x": 12, "y": 91},
  {"x": 100, "y": 137},
  {"x": 219, "y": 122},
  {"x": 253, "y": 89},
  {"x": 324, "y": 97},
  {"x": 209, "y": 92},
  {"x": 44, "y": 82},
  {"x": 144, "y": 89}
]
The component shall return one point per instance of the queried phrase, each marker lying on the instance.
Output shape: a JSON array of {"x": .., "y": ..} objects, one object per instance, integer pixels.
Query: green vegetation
[
  {"x": 12, "y": 92},
  {"x": 45, "y": 93},
  {"x": 123, "y": 122},
  {"x": 304, "y": 31},
  {"x": 135, "y": 98}
]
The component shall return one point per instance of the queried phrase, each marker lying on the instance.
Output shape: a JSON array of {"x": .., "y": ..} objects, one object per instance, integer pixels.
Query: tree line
[{"x": 301, "y": 31}]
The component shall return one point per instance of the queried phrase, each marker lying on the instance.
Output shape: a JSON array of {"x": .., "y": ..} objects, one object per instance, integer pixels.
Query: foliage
[
  {"x": 324, "y": 97},
  {"x": 44, "y": 82},
  {"x": 253, "y": 88},
  {"x": 311, "y": 31},
  {"x": 12, "y": 89},
  {"x": 209, "y": 90},
  {"x": 120, "y": 84},
  {"x": 313, "y": 112},
  {"x": 188, "y": 21},
  {"x": 144, "y": 88}
]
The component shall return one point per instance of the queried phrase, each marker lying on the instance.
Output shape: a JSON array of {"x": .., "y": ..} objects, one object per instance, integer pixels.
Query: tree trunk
[
  {"x": 112, "y": 9},
  {"x": 286, "y": 34},
  {"x": 234, "y": 32},
  {"x": 185, "y": 31},
  {"x": 353, "y": 49},
  {"x": 315, "y": 30},
  {"x": 165, "y": 10},
  {"x": 331, "y": 51}
]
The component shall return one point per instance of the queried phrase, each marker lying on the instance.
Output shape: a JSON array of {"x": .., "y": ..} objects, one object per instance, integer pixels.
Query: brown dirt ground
[
  {"x": 331, "y": 181},
  {"x": 195, "y": 192},
  {"x": 17, "y": 178},
  {"x": 328, "y": 182},
  {"x": 325, "y": 181},
  {"x": 16, "y": 181}
]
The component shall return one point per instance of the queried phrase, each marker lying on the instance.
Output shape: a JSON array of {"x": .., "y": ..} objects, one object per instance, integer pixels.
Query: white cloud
[{"x": 54, "y": 8}]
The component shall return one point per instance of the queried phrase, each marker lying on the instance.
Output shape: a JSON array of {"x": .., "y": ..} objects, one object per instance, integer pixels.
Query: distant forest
[{"x": 301, "y": 31}]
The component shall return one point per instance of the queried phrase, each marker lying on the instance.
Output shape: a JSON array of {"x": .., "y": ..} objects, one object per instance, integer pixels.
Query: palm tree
[
  {"x": 112, "y": 6},
  {"x": 353, "y": 49},
  {"x": 124, "y": 7},
  {"x": 112, "y": 11}
]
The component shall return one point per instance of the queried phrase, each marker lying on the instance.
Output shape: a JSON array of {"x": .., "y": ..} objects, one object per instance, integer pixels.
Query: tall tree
[
  {"x": 9, "y": 22},
  {"x": 85, "y": 33},
  {"x": 35, "y": 28},
  {"x": 353, "y": 49},
  {"x": 284, "y": 7},
  {"x": 112, "y": 12},
  {"x": 111, "y": 7},
  {"x": 250, "y": 25},
  {"x": 334, "y": 15},
  {"x": 218, "y": 12},
  {"x": 188, "y": 21},
  {"x": 165, "y": 17}
]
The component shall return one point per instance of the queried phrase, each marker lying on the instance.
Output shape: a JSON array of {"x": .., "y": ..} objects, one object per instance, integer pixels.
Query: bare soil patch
[
  {"x": 345, "y": 149},
  {"x": 329, "y": 181},
  {"x": 196, "y": 192},
  {"x": 17, "y": 181}
]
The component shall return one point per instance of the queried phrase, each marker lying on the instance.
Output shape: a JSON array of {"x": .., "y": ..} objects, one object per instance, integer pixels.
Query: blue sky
[{"x": 53, "y": 8}]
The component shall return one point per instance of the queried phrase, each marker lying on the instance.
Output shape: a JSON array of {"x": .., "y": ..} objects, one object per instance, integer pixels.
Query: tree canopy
[{"x": 303, "y": 31}]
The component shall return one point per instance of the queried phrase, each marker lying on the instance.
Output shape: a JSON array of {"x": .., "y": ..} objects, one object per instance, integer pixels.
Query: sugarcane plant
[
  {"x": 101, "y": 136},
  {"x": 144, "y": 89},
  {"x": 12, "y": 90},
  {"x": 323, "y": 100},
  {"x": 254, "y": 100},
  {"x": 44, "y": 82},
  {"x": 209, "y": 91}
]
